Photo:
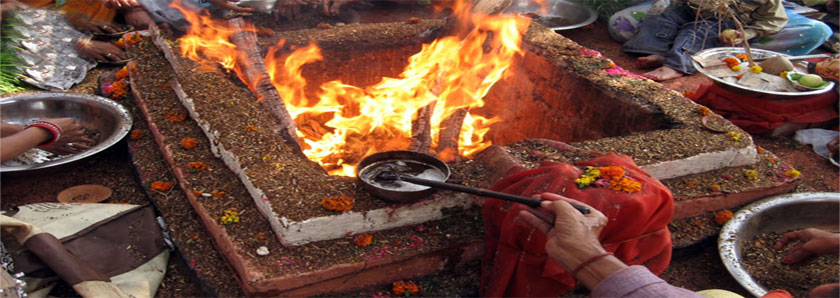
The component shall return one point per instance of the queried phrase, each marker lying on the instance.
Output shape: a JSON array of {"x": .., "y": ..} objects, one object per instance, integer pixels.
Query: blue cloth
[{"x": 676, "y": 35}]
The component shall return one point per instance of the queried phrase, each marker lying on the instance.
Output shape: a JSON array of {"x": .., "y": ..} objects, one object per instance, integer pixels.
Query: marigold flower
[
  {"x": 161, "y": 185},
  {"x": 338, "y": 203},
  {"x": 260, "y": 237},
  {"x": 691, "y": 184},
  {"x": 792, "y": 173},
  {"x": 196, "y": 166},
  {"x": 122, "y": 73},
  {"x": 177, "y": 117},
  {"x": 704, "y": 111},
  {"x": 189, "y": 143},
  {"x": 741, "y": 57},
  {"x": 715, "y": 187},
  {"x": 404, "y": 287},
  {"x": 783, "y": 74},
  {"x": 217, "y": 194},
  {"x": 197, "y": 193},
  {"x": 751, "y": 174},
  {"x": 363, "y": 240},
  {"x": 721, "y": 217},
  {"x": 231, "y": 216},
  {"x": 734, "y": 135},
  {"x": 756, "y": 69},
  {"x": 759, "y": 149},
  {"x": 689, "y": 93},
  {"x": 611, "y": 172},
  {"x": 251, "y": 128},
  {"x": 136, "y": 134},
  {"x": 736, "y": 68},
  {"x": 626, "y": 185},
  {"x": 731, "y": 62}
]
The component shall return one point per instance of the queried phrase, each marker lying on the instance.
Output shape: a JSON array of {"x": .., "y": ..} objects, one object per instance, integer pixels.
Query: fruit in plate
[
  {"x": 729, "y": 34},
  {"x": 811, "y": 80}
]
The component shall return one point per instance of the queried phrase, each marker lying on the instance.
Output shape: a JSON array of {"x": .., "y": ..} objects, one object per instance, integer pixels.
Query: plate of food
[{"x": 730, "y": 69}]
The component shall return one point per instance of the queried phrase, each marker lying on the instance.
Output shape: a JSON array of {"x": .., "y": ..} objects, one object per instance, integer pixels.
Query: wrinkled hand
[
  {"x": 572, "y": 237},
  {"x": 228, "y": 5},
  {"x": 289, "y": 9},
  {"x": 101, "y": 51},
  {"x": 834, "y": 146},
  {"x": 812, "y": 242},
  {"x": 72, "y": 138},
  {"x": 91, "y": 27},
  {"x": 121, "y": 4},
  {"x": 138, "y": 18},
  {"x": 331, "y": 7}
]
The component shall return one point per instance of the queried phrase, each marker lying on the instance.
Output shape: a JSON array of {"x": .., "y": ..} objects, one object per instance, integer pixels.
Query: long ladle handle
[{"x": 531, "y": 202}]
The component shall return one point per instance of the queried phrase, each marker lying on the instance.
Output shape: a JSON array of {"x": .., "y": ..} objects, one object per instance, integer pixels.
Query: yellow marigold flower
[
  {"x": 793, "y": 173},
  {"x": 338, "y": 203},
  {"x": 751, "y": 174},
  {"x": 231, "y": 216},
  {"x": 756, "y": 69},
  {"x": 734, "y": 135},
  {"x": 783, "y": 74},
  {"x": 736, "y": 68},
  {"x": 363, "y": 240}
]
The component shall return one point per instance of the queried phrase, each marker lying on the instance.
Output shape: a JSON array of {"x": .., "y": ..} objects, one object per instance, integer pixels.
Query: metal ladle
[{"x": 531, "y": 202}]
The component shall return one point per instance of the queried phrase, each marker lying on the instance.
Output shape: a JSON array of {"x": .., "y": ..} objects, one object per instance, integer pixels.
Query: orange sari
[{"x": 88, "y": 10}]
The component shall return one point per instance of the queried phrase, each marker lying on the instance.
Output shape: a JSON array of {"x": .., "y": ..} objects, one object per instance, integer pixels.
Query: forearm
[
  {"x": 638, "y": 281},
  {"x": 18, "y": 143},
  {"x": 7, "y": 129}
]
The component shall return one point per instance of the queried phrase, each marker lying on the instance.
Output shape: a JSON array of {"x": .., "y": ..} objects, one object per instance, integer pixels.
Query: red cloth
[
  {"x": 515, "y": 262},
  {"x": 758, "y": 115}
]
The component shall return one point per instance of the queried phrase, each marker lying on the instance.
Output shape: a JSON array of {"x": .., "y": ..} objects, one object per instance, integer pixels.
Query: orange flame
[{"x": 341, "y": 123}]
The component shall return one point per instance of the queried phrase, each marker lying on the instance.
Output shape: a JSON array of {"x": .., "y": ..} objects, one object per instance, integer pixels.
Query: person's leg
[
  {"x": 691, "y": 38},
  {"x": 656, "y": 35},
  {"x": 800, "y": 36}
]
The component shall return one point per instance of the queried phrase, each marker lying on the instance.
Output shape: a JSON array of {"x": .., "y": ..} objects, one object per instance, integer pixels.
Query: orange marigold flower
[
  {"x": 217, "y": 194},
  {"x": 741, "y": 56},
  {"x": 404, "y": 287},
  {"x": 721, "y": 217},
  {"x": 251, "y": 128},
  {"x": 363, "y": 240},
  {"x": 161, "y": 185},
  {"x": 626, "y": 185},
  {"x": 260, "y": 237},
  {"x": 122, "y": 73},
  {"x": 691, "y": 184},
  {"x": 731, "y": 62},
  {"x": 759, "y": 149},
  {"x": 704, "y": 111},
  {"x": 197, "y": 166},
  {"x": 136, "y": 134},
  {"x": 189, "y": 143},
  {"x": 177, "y": 117},
  {"x": 338, "y": 203},
  {"x": 715, "y": 187},
  {"x": 689, "y": 93},
  {"x": 611, "y": 172},
  {"x": 120, "y": 44},
  {"x": 196, "y": 192}
]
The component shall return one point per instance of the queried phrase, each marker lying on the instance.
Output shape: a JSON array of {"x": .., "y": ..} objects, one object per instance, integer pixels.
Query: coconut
[{"x": 776, "y": 65}]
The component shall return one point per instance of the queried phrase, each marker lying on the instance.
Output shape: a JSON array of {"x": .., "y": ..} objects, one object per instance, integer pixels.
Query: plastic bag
[{"x": 817, "y": 138}]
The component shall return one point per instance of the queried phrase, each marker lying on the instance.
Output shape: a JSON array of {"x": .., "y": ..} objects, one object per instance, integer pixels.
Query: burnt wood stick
[
  {"x": 421, "y": 129},
  {"x": 449, "y": 133},
  {"x": 252, "y": 65}
]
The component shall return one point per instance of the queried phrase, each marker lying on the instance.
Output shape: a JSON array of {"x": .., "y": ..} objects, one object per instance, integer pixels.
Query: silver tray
[
  {"x": 778, "y": 214},
  {"x": 573, "y": 15},
  {"x": 799, "y": 66}
]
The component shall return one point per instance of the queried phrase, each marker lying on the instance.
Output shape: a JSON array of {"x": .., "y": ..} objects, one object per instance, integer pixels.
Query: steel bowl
[
  {"x": 800, "y": 66},
  {"x": 399, "y": 191},
  {"x": 557, "y": 14},
  {"x": 108, "y": 119},
  {"x": 774, "y": 214}
]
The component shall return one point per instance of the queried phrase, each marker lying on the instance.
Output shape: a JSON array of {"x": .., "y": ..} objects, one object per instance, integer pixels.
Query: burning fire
[{"x": 341, "y": 123}]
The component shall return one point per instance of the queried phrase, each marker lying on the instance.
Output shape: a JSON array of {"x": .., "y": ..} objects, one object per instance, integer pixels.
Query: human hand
[
  {"x": 91, "y": 27},
  {"x": 121, "y": 4},
  {"x": 289, "y": 9},
  {"x": 332, "y": 7},
  {"x": 813, "y": 242},
  {"x": 99, "y": 51},
  {"x": 731, "y": 37},
  {"x": 228, "y": 5},
  {"x": 72, "y": 139},
  {"x": 572, "y": 237},
  {"x": 138, "y": 18}
]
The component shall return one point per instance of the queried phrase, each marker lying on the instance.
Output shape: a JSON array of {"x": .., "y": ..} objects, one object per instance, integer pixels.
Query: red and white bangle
[{"x": 52, "y": 127}]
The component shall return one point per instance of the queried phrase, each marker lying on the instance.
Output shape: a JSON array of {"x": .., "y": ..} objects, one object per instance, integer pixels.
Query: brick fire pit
[{"x": 559, "y": 101}]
